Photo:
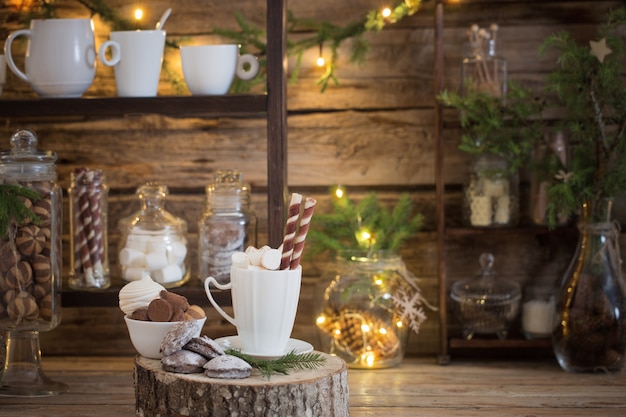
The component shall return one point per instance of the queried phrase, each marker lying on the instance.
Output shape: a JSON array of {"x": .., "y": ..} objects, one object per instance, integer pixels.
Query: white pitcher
[{"x": 60, "y": 56}]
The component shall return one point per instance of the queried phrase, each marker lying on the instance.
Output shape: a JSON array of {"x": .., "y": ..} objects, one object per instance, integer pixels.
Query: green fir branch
[
  {"x": 13, "y": 209},
  {"x": 282, "y": 365}
]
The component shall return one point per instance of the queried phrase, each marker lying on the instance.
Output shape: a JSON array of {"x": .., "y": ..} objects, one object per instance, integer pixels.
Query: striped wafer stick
[
  {"x": 303, "y": 228},
  {"x": 290, "y": 229}
]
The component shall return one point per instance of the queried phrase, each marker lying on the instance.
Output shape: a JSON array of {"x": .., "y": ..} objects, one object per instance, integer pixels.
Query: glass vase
[
  {"x": 358, "y": 316},
  {"x": 591, "y": 331}
]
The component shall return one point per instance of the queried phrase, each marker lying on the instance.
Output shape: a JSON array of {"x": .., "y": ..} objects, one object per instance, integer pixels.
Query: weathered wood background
[{"x": 373, "y": 131}]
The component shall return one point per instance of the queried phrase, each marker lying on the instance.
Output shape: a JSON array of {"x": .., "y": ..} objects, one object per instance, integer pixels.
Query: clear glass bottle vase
[{"x": 590, "y": 334}]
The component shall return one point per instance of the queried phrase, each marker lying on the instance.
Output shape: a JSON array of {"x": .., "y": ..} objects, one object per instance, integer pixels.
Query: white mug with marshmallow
[{"x": 210, "y": 69}]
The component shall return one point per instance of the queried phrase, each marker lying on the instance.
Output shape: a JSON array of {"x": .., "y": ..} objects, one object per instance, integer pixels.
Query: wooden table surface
[{"x": 103, "y": 387}]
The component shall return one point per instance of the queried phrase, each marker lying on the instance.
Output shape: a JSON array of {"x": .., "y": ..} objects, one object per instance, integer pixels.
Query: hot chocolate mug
[
  {"x": 60, "y": 56},
  {"x": 264, "y": 304}
]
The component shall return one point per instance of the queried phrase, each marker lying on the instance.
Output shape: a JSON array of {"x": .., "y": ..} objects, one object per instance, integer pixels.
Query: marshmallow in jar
[{"x": 154, "y": 242}]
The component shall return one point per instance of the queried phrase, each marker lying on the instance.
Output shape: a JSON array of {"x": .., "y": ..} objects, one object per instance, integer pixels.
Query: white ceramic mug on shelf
[
  {"x": 264, "y": 304},
  {"x": 210, "y": 69},
  {"x": 60, "y": 56},
  {"x": 137, "y": 57}
]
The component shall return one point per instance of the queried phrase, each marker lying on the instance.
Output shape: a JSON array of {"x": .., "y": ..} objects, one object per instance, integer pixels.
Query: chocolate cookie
[
  {"x": 227, "y": 366},
  {"x": 204, "y": 346},
  {"x": 179, "y": 335},
  {"x": 183, "y": 362}
]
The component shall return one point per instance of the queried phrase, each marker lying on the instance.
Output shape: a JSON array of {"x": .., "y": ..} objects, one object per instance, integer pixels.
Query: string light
[
  {"x": 320, "y": 59},
  {"x": 386, "y": 12},
  {"x": 138, "y": 16}
]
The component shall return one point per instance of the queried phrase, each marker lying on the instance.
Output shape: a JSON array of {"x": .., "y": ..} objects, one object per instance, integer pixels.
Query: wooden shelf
[
  {"x": 187, "y": 106},
  {"x": 109, "y": 297}
]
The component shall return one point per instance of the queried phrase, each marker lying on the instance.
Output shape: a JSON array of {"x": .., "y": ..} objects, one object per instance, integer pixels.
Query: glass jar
[
  {"x": 491, "y": 194},
  {"x": 227, "y": 225},
  {"x": 486, "y": 304},
  {"x": 483, "y": 69},
  {"x": 153, "y": 241},
  {"x": 357, "y": 313},
  {"x": 30, "y": 263},
  {"x": 88, "y": 230}
]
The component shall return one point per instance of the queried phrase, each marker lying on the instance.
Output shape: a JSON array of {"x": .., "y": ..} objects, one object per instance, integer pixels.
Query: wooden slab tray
[{"x": 322, "y": 392}]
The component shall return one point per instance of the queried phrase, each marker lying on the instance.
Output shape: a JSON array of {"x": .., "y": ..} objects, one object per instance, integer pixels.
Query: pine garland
[{"x": 282, "y": 365}]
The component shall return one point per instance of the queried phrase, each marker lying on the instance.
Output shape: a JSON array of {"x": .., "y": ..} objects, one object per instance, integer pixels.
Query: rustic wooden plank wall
[{"x": 373, "y": 131}]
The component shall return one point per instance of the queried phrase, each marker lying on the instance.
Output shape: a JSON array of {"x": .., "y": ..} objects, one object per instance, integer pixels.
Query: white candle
[
  {"x": 494, "y": 188},
  {"x": 503, "y": 210},
  {"x": 538, "y": 318},
  {"x": 480, "y": 207}
]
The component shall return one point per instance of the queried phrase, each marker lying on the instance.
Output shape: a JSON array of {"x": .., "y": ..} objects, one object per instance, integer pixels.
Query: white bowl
[{"x": 146, "y": 336}]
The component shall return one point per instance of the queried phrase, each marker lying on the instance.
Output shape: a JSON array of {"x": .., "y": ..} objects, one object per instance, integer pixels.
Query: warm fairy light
[
  {"x": 138, "y": 14},
  {"x": 365, "y": 328},
  {"x": 320, "y": 61},
  {"x": 339, "y": 192},
  {"x": 382, "y": 330},
  {"x": 365, "y": 238},
  {"x": 321, "y": 320},
  {"x": 337, "y": 332},
  {"x": 378, "y": 281},
  {"x": 386, "y": 12},
  {"x": 399, "y": 324},
  {"x": 368, "y": 358}
]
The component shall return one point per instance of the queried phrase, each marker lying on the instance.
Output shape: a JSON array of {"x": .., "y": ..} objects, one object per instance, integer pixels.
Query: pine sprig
[
  {"x": 282, "y": 365},
  {"x": 13, "y": 209}
]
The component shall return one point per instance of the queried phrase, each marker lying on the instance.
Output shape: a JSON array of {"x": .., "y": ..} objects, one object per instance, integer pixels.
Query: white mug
[
  {"x": 264, "y": 304},
  {"x": 210, "y": 69},
  {"x": 136, "y": 57},
  {"x": 60, "y": 56}
]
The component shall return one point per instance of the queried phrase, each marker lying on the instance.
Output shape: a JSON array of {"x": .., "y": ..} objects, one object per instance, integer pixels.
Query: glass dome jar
[
  {"x": 491, "y": 194},
  {"x": 153, "y": 241},
  {"x": 356, "y": 317},
  {"x": 30, "y": 263},
  {"x": 227, "y": 225},
  {"x": 483, "y": 69},
  {"x": 484, "y": 303}
]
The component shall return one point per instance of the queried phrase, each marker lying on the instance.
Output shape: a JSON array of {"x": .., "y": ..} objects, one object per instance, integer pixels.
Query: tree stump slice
[{"x": 322, "y": 392}]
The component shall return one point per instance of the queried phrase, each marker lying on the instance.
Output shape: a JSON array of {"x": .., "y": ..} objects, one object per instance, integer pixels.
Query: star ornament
[{"x": 599, "y": 49}]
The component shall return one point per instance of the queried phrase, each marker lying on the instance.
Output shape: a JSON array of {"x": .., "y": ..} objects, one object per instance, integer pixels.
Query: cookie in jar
[{"x": 30, "y": 236}]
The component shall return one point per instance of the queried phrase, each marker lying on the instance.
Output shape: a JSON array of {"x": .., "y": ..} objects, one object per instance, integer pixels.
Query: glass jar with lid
[
  {"x": 483, "y": 69},
  {"x": 485, "y": 303},
  {"x": 30, "y": 262},
  {"x": 227, "y": 225},
  {"x": 153, "y": 241}
]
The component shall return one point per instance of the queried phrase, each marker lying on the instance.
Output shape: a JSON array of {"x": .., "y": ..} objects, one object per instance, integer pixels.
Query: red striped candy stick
[
  {"x": 290, "y": 229},
  {"x": 303, "y": 228}
]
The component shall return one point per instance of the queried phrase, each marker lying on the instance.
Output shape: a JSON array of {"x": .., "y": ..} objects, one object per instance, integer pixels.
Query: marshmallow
[
  {"x": 270, "y": 259},
  {"x": 155, "y": 261},
  {"x": 254, "y": 255},
  {"x": 157, "y": 246},
  {"x": 138, "y": 242},
  {"x": 176, "y": 254},
  {"x": 132, "y": 258},
  {"x": 135, "y": 274},
  {"x": 170, "y": 273},
  {"x": 240, "y": 260}
]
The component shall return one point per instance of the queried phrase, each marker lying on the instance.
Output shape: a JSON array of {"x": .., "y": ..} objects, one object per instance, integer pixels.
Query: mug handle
[
  {"x": 241, "y": 71},
  {"x": 207, "y": 283},
  {"x": 9, "y": 56},
  {"x": 115, "y": 53}
]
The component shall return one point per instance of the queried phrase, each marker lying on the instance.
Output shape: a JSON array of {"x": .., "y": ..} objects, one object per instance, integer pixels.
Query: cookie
[
  {"x": 183, "y": 362},
  {"x": 227, "y": 367},
  {"x": 160, "y": 310},
  {"x": 194, "y": 312},
  {"x": 179, "y": 335},
  {"x": 204, "y": 346}
]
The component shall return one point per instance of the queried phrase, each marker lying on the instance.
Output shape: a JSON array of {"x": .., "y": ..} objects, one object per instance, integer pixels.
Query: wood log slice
[{"x": 322, "y": 392}]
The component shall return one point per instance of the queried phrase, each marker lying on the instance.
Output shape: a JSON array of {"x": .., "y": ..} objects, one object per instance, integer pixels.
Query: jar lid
[
  {"x": 24, "y": 162},
  {"x": 228, "y": 191},
  {"x": 485, "y": 287}
]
